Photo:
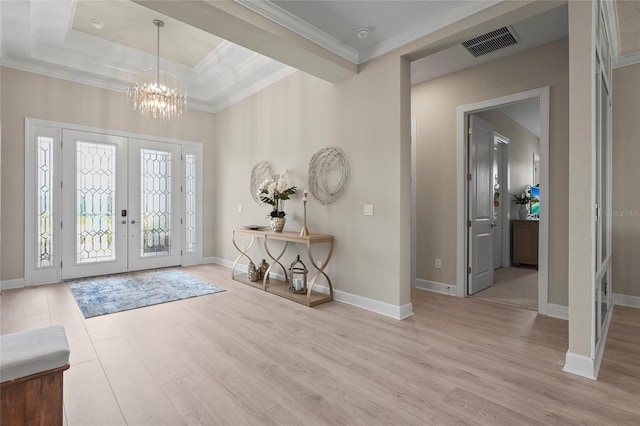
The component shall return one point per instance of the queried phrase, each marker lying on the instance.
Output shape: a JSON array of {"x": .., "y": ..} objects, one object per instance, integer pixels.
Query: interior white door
[
  {"x": 155, "y": 204},
  {"x": 481, "y": 211},
  {"x": 94, "y": 191}
]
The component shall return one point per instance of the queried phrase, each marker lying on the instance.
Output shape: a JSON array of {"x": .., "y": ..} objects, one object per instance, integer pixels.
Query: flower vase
[
  {"x": 277, "y": 224},
  {"x": 523, "y": 212}
]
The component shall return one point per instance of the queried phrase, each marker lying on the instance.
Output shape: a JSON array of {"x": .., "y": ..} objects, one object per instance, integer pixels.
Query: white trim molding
[
  {"x": 11, "y": 284},
  {"x": 580, "y": 365},
  {"x": 543, "y": 94},
  {"x": 626, "y": 300},
  {"x": 436, "y": 287},
  {"x": 382, "y": 308},
  {"x": 558, "y": 311},
  {"x": 291, "y": 22}
]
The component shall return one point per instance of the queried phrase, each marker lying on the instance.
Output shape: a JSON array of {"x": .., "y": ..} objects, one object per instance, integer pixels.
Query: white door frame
[
  {"x": 542, "y": 94},
  {"x": 37, "y": 127}
]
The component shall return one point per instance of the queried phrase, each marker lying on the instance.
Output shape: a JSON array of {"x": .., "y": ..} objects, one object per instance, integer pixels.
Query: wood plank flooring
[{"x": 245, "y": 357}]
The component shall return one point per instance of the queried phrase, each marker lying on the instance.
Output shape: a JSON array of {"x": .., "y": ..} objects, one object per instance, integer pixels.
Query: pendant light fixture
[{"x": 157, "y": 94}]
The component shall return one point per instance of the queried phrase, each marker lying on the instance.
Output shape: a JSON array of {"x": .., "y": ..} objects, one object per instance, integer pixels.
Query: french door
[{"x": 121, "y": 206}]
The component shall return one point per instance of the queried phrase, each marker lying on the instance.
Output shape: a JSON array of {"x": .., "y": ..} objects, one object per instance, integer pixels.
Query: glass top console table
[{"x": 281, "y": 287}]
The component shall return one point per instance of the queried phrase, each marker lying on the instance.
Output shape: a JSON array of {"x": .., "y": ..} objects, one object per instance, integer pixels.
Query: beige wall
[
  {"x": 31, "y": 95},
  {"x": 434, "y": 104},
  {"x": 286, "y": 124},
  {"x": 625, "y": 215},
  {"x": 523, "y": 144}
]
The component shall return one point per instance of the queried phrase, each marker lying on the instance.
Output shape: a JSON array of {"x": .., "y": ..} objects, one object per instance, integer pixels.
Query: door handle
[
  {"x": 493, "y": 224},
  {"x": 133, "y": 222},
  {"x": 124, "y": 221}
]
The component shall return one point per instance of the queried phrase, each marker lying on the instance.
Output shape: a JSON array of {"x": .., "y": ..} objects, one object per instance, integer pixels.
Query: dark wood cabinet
[{"x": 524, "y": 242}]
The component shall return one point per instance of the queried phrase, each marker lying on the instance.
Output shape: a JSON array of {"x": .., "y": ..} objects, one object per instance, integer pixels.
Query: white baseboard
[
  {"x": 558, "y": 311},
  {"x": 218, "y": 260},
  {"x": 382, "y": 308},
  {"x": 449, "y": 289},
  {"x": 625, "y": 300},
  {"x": 580, "y": 365},
  {"x": 11, "y": 284}
]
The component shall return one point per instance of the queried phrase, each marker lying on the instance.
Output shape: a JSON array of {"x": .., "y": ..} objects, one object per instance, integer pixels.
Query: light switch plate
[
  {"x": 239, "y": 208},
  {"x": 368, "y": 209}
]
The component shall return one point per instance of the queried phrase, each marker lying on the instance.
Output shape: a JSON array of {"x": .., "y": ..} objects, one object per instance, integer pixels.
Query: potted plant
[
  {"x": 275, "y": 192},
  {"x": 523, "y": 199}
]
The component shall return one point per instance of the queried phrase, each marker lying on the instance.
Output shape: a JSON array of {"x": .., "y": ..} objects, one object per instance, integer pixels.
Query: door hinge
[
  {"x": 60, "y": 184},
  {"x": 180, "y": 189},
  {"x": 470, "y": 131},
  {"x": 61, "y": 264},
  {"x": 60, "y": 224},
  {"x": 468, "y": 224},
  {"x": 468, "y": 269},
  {"x": 181, "y": 221},
  {"x": 180, "y": 252},
  {"x": 597, "y": 212},
  {"x": 469, "y": 177}
]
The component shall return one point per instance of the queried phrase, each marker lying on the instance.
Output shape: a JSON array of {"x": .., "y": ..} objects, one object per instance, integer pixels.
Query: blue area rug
[{"x": 116, "y": 293}]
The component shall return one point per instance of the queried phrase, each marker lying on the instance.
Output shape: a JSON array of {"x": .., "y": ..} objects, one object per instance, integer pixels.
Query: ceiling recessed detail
[
  {"x": 124, "y": 22},
  {"x": 491, "y": 41}
]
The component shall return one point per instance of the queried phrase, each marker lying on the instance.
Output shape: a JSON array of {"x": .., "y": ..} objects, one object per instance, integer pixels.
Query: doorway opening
[{"x": 475, "y": 228}]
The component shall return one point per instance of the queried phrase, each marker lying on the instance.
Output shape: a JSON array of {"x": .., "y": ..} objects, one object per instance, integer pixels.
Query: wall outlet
[
  {"x": 239, "y": 208},
  {"x": 368, "y": 209},
  {"x": 438, "y": 263}
]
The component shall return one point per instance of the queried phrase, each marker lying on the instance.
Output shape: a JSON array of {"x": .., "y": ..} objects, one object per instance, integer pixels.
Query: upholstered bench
[{"x": 31, "y": 366}]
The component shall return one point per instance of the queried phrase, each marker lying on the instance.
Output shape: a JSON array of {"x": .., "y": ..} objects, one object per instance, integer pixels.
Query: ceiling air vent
[{"x": 491, "y": 41}]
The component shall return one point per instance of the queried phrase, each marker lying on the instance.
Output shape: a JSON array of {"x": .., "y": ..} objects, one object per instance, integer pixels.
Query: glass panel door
[
  {"x": 93, "y": 232},
  {"x": 155, "y": 234}
]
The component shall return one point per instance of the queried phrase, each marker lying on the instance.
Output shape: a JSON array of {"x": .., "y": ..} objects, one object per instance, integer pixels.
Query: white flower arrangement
[{"x": 275, "y": 191}]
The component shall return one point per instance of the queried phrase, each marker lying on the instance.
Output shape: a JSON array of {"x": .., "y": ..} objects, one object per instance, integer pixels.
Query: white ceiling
[{"x": 54, "y": 37}]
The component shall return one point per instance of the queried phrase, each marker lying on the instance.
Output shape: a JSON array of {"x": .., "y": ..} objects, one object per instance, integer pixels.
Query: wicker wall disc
[
  {"x": 328, "y": 174},
  {"x": 259, "y": 173}
]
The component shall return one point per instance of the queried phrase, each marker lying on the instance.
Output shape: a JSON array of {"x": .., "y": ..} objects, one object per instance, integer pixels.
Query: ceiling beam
[{"x": 237, "y": 24}]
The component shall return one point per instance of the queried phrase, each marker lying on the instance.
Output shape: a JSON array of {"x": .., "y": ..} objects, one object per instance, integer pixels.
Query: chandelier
[{"x": 157, "y": 94}]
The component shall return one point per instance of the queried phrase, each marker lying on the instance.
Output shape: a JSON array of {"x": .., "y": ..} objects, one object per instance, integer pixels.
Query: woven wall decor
[
  {"x": 328, "y": 174},
  {"x": 259, "y": 173}
]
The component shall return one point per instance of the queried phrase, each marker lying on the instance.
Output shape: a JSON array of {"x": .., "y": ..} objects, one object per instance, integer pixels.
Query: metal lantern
[
  {"x": 252, "y": 272},
  {"x": 298, "y": 276}
]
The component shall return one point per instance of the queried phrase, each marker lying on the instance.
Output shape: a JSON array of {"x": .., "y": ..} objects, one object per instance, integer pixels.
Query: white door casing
[
  {"x": 481, "y": 212},
  {"x": 55, "y": 247}
]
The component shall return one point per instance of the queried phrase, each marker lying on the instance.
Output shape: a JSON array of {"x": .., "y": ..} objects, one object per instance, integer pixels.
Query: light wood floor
[{"x": 246, "y": 357}]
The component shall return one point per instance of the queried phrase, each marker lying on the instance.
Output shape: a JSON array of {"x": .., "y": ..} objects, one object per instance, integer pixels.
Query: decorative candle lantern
[
  {"x": 298, "y": 276},
  {"x": 252, "y": 272}
]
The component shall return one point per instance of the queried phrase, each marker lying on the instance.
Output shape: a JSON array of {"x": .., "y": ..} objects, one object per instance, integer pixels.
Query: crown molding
[
  {"x": 302, "y": 28},
  {"x": 623, "y": 61},
  {"x": 261, "y": 84},
  {"x": 611, "y": 18},
  {"x": 87, "y": 79}
]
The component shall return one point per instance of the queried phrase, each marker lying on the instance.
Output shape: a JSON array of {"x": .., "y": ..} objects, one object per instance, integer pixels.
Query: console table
[{"x": 279, "y": 287}]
